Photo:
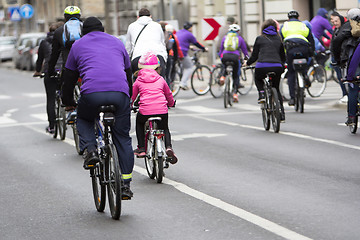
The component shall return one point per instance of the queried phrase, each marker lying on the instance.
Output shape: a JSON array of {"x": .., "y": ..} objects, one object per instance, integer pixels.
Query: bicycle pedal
[
  {"x": 166, "y": 165},
  {"x": 125, "y": 198}
]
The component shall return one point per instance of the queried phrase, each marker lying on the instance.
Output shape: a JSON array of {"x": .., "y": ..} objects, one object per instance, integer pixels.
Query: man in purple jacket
[
  {"x": 319, "y": 23},
  {"x": 104, "y": 66},
  {"x": 186, "y": 38}
]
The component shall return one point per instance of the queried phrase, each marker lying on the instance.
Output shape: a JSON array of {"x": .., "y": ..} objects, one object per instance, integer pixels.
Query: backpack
[
  {"x": 355, "y": 28},
  {"x": 231, "y": 42},
  {"x": 72, "y": 32}
]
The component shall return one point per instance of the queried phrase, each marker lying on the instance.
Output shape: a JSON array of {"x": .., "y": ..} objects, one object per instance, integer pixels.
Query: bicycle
[
  {"x": 175, "y": 80},
  {"x": 201, "y": 76},
  {"x": 353, "y": 127},
  {"x": 300, "y": 65},
  {"x": 106, "y": 174},
  {"x": 229, "y": 88},
  {"x": 60, "y": 113},
  {"x": 247, "y": 82},
  {"x": 216, "y": 88},
  {"x": 317, "y": 77},
  {"x": 270, "y": 108}
]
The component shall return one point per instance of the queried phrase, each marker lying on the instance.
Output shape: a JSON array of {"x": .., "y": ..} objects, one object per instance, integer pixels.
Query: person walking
[{"x": 143, "y": 35}]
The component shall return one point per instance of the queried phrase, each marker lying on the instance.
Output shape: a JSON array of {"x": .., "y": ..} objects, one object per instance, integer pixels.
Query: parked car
[
  {"x": 7, "y": 46},
  {"x": 25, "y": 54}
]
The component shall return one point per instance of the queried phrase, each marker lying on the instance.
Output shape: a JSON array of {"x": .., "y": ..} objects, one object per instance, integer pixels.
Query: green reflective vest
[{"x": 295, "y": 29}]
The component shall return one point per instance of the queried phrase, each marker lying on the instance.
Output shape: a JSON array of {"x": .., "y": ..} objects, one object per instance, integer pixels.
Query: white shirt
[{"x": 151, "y": 38}]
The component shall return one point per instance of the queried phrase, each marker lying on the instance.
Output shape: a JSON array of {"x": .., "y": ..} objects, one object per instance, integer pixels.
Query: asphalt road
[{"x": 234, "y": 180}]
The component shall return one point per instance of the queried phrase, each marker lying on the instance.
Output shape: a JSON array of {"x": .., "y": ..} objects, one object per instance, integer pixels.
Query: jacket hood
[
  {"x": 148, "y": 75},
  {"x": 270, "y": 30},
  {"x": 50, "y": 36},
  {"x": 144, "y": 20},
  {"x": 322, "y": 12}
]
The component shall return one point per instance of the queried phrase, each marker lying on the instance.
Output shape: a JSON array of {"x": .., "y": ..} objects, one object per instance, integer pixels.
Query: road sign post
[{"x": 210, "y": 30}]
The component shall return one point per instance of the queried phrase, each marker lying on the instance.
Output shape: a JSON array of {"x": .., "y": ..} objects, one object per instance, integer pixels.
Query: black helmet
[
  {"x": 293, "y": 14},
  {"x": 187, "y": 25}
]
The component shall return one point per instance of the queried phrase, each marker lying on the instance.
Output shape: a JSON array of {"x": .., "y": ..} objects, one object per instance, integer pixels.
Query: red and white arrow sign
[{"x": 210, "y": 27}]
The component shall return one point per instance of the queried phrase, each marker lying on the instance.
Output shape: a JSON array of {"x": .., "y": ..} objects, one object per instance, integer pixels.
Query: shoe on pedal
[
  {"x": 126, "y": 193},
  {"x": 91, "y": 159},
  {"x": 307, "y": 82},
  {"x": 71, "y": 118},
  {"x": 222, "y": 80},
  {"x": 184, "y": 88},
  {"x": 241, "y": 85},
  {"x": 235, "y": 97},
  {"x": 140, "y": 152},
  {"x": 350, "y": 121},
  {"x": 261, "y": 98},
  {"x": 291, "y": 102},
  {"x": 50, "y": 130},
  {"x": 171, "y": 155}
]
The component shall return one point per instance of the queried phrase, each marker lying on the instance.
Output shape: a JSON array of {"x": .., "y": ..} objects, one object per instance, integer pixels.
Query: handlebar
[{"x": 248, "y": 67}]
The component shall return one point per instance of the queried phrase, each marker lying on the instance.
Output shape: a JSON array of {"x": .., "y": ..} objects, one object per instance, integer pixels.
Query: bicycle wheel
[
  {"x": 317, "y": 77},
  {"x": 175, "y": 83},
  {"x": 265, "y": 112},
  {"x": 353, "y": 127},
  {"x": 275, "y": 110},
  {"x": 62, "y": 122},
  {"x": 200, "y": 80},
  {"x": 284, "y": 87},
  {"x": 247, "y": 79},
  {"x": 113, "y": 176},
  {"x": 216, "y": 89},
  {"x": 301, "y": 99},
  {"x": 228, "y": 92},
  {"x": 57, "y": 111},
  {"x": 76, "y": 138},
  {"x": 159, "y": 163},
  {"x": 98, "y": 186},
  {"x": 149, "y": 159}
]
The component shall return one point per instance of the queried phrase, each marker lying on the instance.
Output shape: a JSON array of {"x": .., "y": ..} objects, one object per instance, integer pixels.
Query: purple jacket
[
  {"x": 320, "y": 23},
  {"x": 242, "y": 46},
  {"x": 186, "y": 38},
  {"x": 354, "y": 64}
]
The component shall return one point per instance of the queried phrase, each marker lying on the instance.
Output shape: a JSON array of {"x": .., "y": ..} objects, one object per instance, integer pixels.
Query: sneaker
[
  {"x": 291, "y": 102},
  {"x": 184, "y": 88},
  {"x": 261, "y": 98},
  {"x": 282, "y": 116},
  {"x": 241, "y": 85},
  {"x": 350, "y": 121},
  {"x": 235, "y": 97},
  {"x": 222, "y": 80},
  {"x": 71, "y": 118},
  {"x": 90, "y": 159},
  {"x": 307, "y": 82},
  {"x": 126, "y": 193},
  {"x": 140, "y": 152},
  {"x": 344, "y": 99},
  {"x": 171, "y": 155},
  {"x": 50, "y": 130}
]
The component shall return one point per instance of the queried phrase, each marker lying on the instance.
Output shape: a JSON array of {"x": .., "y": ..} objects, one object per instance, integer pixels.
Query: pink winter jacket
[{"x": 155, "y": 94}]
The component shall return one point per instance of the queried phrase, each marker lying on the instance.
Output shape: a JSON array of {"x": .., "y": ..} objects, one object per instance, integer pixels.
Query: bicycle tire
[
  {"x": 275, "y": 110},
  {"x": 56, "y": 127},
  {"x": 228, "y": 92},
  {"x": 284, "y": 87},
  {"x": 98, "y": 186},
  {"x": 216, "y": 89},
  {"x": 265, "y": 112},
  {"x": 175, "y": 83},
  {"x": 247, "y": 81},
  {"x": 149, "y": 159},
  {"x": 301, "y": 100},
  {"x": 76, "y": 138},
  {"x": 62, "y": 122},
  {"x": 159, "y": 163},
  {"x": 201, "y": 79},
  {"x": 113, "y": 176},
  {"x": 353, "y": 127},
  {"x": 318, "y": 79}
]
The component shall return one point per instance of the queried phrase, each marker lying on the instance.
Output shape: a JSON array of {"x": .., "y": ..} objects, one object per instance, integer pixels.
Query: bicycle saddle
[{"x": 154, "y": 119}]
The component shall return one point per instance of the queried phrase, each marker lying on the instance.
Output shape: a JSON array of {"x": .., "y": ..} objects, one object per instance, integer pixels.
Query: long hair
[{"x": 267, "y": 23}]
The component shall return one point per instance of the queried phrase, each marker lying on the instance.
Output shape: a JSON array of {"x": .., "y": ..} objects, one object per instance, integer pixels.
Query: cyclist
[
  {"x": 104, "y": 64},
  {"x": 186, "y": 38},
  {"x": 269, "y": 53},
  {"x": 299, "y": 43},
  {"x": 58, "y": 46},
  {"x": 319, "y": 48},
  {"x": 223, "y": 30},
  {"x": 229, "y": 52},
  {"x": 145, "y": 34},
  {"x": 339, "y": 22},
  {"x": 320, "y": 23},
  {"x": 155, "y": 98},
  {"x": 174, "y": 53},
  {"x": 42, "y": 66}
]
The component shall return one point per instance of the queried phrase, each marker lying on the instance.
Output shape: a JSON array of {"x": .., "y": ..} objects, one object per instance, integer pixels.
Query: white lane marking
[
  {"x": 3, "y": 97},
  {"x": 38, "y": 105},
  {"x": 40, "y": 116},
  {"x": 5, "y": 125},
  {"x": 34, "y": 95},
  {"x": 298, "y": 135},
  {"x": 181, "y": 137},
  {"x": 201, "y": 109},
  {"x": 6, "y": 117},
  {"x": 241, "y": 213},
  {"x": 195, "y": 99},
  {"x": 236, "y": 211}
]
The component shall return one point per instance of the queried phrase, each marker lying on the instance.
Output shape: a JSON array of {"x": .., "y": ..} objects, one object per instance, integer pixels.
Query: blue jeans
[
  {"x": 352, "y": 99},
  {"x": 87, "y": 112}
]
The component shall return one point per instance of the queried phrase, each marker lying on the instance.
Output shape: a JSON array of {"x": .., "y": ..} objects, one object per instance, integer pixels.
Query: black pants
[
  {"x": 140, "y": 130},
  {"x": 230, "y": 57},
  {"x": 170, "y": 69},
  {"x": 50, "y": 88},
  {"x": 260, "y": 74},
  {"x": 135, "y": 61}
]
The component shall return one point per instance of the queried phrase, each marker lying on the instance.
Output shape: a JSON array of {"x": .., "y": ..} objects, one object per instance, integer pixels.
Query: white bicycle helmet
[{"x": 234, "y": 28}]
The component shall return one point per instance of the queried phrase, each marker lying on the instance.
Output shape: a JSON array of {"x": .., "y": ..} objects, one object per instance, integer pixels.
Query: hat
[
  {"x": 149, "y": 61},
  {"x": 92, "y": 24},
  {"x": 169, "y": 28},
  {"x": 187, "y": 25}
]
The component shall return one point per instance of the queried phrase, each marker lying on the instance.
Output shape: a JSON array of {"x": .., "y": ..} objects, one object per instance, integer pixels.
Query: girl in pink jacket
[{"x": 155, "y": 98}]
